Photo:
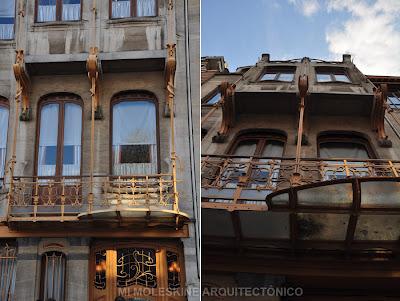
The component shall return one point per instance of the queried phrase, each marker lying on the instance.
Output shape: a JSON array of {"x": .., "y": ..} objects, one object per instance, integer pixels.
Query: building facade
[
  {"x": 300, "y": 179},
  {"x": 98, "y": 149}
]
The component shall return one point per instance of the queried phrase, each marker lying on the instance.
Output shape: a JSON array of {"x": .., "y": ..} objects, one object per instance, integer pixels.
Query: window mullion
[
  {"x": 133, "y": 8},
  {"x": 60, "y": 140}
]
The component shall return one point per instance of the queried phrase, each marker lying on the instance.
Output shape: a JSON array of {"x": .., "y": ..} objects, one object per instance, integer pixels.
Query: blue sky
[{"x": 242, "y": 30}]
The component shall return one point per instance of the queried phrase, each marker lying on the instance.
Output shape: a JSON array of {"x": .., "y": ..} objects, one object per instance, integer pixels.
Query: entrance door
[{"x": 136, "y": 272}]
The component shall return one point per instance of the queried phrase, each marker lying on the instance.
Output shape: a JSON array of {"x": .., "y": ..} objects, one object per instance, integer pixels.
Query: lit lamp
[{"x": 174, "y": 267}]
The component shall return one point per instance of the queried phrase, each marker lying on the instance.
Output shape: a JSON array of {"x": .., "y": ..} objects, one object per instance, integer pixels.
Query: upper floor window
[
  {"x": 58, "y": 10},
  {"x": 133, "y": 8},
  {"x": 60, "y": 138},
  {"x": 52, "y": 286},
  {"x": 394, "y": 101},
  {"x": 134, "y": 136},
  {"x": 284, "y": 75},
  {"x": 344, "y": 147},
  {"x": 214, "y": 98},
  {"x": 3, "y": 135},
  {"x": 337, "y": 76},
  {"x": 7, "y": 19}
]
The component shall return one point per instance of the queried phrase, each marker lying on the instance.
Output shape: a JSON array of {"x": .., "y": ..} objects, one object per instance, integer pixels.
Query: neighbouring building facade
[
  {"x": 99, "y": 110},
  {"x": 300, "y": 179}
]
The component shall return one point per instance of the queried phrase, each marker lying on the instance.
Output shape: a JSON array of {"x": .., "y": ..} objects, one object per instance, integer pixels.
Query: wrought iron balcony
[
  {"x": 235, "y": 179},
  {"x": 98, "y": 197}
]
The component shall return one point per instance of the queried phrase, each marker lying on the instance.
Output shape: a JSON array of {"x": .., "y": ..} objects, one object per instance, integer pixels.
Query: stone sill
[
  {"x": 57, "y": 25},
  {"x": 134, "y": 21}
]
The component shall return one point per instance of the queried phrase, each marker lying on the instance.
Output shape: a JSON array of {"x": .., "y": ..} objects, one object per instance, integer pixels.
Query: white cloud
[
  {"x": 307, "y": 7},
  {"x": 371, "y": 35}
]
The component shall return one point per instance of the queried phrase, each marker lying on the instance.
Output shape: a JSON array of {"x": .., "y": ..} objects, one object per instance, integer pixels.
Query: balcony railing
[
  {"x": 273, "y": 174},
  {"x": 71, "y": 198}
]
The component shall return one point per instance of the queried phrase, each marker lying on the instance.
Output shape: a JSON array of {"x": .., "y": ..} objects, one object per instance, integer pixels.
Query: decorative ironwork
[
  {"x": 8, "y": 259},
  {"x": 174, "y": 271},
  {"x": 100, "y": 276},
  {"x": 136, "y": 267},
  {"x": 39, "y": 197},
  {"x": 272, "y": 174}
]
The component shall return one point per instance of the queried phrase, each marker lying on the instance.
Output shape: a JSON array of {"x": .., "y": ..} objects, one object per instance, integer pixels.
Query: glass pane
[
  {"x": 342, "y": 78},
  {"x": 8, "y": 267},
  {"x": 101, "y": 267},
  {"x": 7, "y": 19},
  {"x": 214, "y": 99},
  {"x": 71, "y": 10},
  {"x": 174, "y": 271},
  {"x": 378, "y": 227},
  {"x": 135, "y": 153},
  {"x": 286, "y": 77},
  {"x": 72, "y": 139},
  {"x": 322, "y": 226},
  {"x": 264, "y": 224},
  {"x": 273, "y": 149},
  {"x": 121, "y": 9},
  {"x": 3, "y": 138},
  {"x": 54, "y": 276},
  {"x": 146, "y": 8},
  {"x": 345, "y": 150},
  {"x": 246, "y": 148},
  {"x": 338, "y": 195},
  {"x": 323, "y": 77},
  {"x": 135, "y": 138},
  {"x": 268, "y": 76},
  {"x": 394, "y": 102},
  {"x": 48, "y": 140},
  {"x": 46, "y": 10},
  {"x": 136, "y": 267}
]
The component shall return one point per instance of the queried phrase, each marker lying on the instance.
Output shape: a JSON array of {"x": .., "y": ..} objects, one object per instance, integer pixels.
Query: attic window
[
  {"x": 394, "y": 102},
  {"x": 278, "y": 75},
  {"x": 329, "y": 75}
]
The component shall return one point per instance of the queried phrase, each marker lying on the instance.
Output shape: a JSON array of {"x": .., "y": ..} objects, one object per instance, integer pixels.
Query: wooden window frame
[
  {"x": 332, "y": 72},
  {"x": 162, "y": 272},
  {"x": 15, "y": 20},
  {"x": 42, "y": 272},
  {"x": 59, "y": 4},
  {"x": 277, "y": 71},
  {"x": 60, "y": 99},
  {"x": 209, "y": 96},
  {"x": 133, "y": 12},
  {"x": 4, "y": 103},
  {"x": 127, "y": 96},
  {"x": 263, "y": 137},
  {"x": 346, "y": 138}
]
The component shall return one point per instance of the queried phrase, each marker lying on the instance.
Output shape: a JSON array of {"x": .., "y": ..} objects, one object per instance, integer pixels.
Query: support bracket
[
  {"x": 378, "y": 115},
  {"x": 227, "y": 93},
  {"x": 93, "y": 66},
  {"x": 23, "y": 85}
]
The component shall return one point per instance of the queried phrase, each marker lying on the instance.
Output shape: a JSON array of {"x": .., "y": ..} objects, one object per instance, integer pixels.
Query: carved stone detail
[
  {"x": 23, "y": 85},
  {"x": 227, "y": 92},
  {"x": 378, "y": 115},
  {"x": 93, "y": 67}
]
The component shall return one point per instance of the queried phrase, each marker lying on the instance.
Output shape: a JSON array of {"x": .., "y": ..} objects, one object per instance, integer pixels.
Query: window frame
[
  {"x": 4, "y": 103},
  {"x": 15, "y": 20},
  {"x": 127, "y": 96},
  {"x": 209, "y": 96},
  {"x": 393, "y": 106},
  {"x": 277, "y": 71},
  {"x": 133, "y": 12},
  {"x": 345, "y": 138},
  {"x": 42, "y": 272},
  {"x": 262, "y": 136},
  {"x": 332, "y": 72},
  {"x": 59, "y": 4},
  {"x": 61, "y": 100}
]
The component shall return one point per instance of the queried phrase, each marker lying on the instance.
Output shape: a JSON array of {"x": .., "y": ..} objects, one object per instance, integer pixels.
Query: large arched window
[
  {"x": 60, "y": 137},
  {"x": 134, "y": 135},
  {"x": 4, "y": 114},
  {"x": 52, "y": 285}
]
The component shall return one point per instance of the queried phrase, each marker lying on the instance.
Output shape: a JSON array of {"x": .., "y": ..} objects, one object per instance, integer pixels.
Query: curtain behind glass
[
  {"x": 121, "y": 9},
  {"x": 54, "y": 276},
  {"x": 7, "y": 18},
  {"x": 3, "y": 138},
  {"x": 134, "y": 123},
  {"x": 146, "y": 8},
  {"x": 46, "y": 11},
  {"x": 72, "y": 139},
  {"x": 345, "y": 150},
  {"x": 71, "y": 10},
  {"x": 48, "y": 138},
  {"x": 7, "y": 281}
]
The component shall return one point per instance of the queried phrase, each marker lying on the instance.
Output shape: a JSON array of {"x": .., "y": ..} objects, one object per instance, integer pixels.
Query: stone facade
[{"x": 133, "y": 54}]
